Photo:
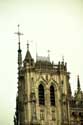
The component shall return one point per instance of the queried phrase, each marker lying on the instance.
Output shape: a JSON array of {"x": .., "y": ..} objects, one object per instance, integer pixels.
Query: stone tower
[{"x": 44, "y": 92}]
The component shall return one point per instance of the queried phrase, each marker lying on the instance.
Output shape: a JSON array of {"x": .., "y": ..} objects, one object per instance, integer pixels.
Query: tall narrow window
[
  {"x": 52, "y": 96},
  {"x": 41, "y": 95}
]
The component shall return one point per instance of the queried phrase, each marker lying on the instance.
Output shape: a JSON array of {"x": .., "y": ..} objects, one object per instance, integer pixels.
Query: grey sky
[{"x": 55, "y": 25}]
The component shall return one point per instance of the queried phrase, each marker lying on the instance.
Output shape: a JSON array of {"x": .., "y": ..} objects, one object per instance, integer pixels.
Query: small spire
[
  {"x": 28, "y": 57},
  {"x": 78, "y": 83}
]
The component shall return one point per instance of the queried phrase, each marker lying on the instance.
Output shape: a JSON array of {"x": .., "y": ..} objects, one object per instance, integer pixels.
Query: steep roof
[{"x": 28, "y": 57}]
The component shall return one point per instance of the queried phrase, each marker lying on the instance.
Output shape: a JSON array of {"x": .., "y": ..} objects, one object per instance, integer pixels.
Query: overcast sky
[{"x": 55, "y": 25}]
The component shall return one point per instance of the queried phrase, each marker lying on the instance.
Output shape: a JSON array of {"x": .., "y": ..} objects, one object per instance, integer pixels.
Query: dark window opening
[
  {"x": 52, "y": 96},
  {"x": 41, "y": 95}
]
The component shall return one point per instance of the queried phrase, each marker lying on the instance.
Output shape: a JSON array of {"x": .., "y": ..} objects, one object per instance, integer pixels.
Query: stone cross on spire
[
  {"x": 19, "y": 49},
  {"x": 19, "y": 34}
]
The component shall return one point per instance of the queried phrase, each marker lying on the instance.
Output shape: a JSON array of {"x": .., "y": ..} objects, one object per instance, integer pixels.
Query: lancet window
[
  {"x": 41, "y": 95},
  {"x": 52, "y": 95}
]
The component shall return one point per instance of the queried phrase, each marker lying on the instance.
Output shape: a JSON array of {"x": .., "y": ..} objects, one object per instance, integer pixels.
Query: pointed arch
[
  {"x": 41, "y": 95},
  {"x": 52, "y": 95}
]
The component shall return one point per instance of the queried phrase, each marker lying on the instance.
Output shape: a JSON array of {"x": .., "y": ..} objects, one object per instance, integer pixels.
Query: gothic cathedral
[{"x": 44, "y": 93}]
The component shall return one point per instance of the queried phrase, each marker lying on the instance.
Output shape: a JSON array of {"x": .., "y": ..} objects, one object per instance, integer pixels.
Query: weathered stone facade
[
  {"x": 44, "y": 93},
  {"x": 66, "y": 110}
]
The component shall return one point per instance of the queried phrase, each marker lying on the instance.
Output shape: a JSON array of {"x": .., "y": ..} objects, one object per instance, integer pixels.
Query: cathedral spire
[
  {"x": 28, "y": 57},
  {"x": 19, "y": 48},
  {"x": 78, "y": 83}
]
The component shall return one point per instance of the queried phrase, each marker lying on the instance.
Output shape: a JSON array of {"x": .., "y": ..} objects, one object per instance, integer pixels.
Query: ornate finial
[
  {"x": 62, "y": 58},
  {"x": 27, "y": 44},
  {"x": 49, "y": 54}
]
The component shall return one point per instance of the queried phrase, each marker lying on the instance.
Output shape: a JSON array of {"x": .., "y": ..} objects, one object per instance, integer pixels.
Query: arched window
[
  {"x": 52, "y": 96},
  {"x": 41, "y": 95}
]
